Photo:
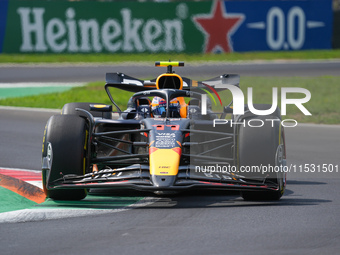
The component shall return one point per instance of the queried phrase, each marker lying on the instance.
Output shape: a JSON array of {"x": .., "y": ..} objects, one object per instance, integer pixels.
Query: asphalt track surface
[
  {"x": 86, "y": 73},
  {"x": 304, "y": 221}
]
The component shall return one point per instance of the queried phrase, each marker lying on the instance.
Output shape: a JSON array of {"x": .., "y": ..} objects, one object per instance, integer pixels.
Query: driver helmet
[{"x": 158, "y": 107}]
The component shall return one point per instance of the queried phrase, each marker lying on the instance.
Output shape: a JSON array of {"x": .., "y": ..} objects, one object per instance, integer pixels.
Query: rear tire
[
  {"x": 262, "y": 146},
  {"x": 67, "y": 135}
]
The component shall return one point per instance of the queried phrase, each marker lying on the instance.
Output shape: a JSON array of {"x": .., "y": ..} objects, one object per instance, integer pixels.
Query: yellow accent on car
[
  {"x": 84, "y": 165},
  {"x": 86, "y": 138},
  {"x": 99, "y": 105},
  {"x": 169, "y": 63},
  {"x": 164, "y": 162}
]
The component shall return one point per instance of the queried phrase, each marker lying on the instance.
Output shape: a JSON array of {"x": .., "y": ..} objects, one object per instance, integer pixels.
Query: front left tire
[{"x": 65, "y": 138}]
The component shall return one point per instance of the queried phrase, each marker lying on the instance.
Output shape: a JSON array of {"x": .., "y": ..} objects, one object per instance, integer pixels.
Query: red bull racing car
[{"x": 168, "y": 139}]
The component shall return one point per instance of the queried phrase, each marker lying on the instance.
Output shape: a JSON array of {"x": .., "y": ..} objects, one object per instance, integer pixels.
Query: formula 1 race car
[{"x": 168, "y": 139}]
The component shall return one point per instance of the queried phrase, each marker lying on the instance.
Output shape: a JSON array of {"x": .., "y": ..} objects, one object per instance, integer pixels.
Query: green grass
[
  {"x": 324, "y": 104},
  {"x": 93, "y": 92},
  {"x": 118, "y": 58}
]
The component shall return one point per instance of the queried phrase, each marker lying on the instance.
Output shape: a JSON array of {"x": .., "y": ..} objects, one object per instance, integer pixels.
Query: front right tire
[{"x": 258, "y": 147}]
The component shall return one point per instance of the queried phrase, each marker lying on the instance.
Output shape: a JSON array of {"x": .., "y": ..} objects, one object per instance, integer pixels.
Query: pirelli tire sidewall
[{"x": 67, "y": 135}]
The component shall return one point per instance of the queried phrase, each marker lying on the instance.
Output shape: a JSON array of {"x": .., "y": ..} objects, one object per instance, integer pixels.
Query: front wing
[{"x": 137, "y": 177}]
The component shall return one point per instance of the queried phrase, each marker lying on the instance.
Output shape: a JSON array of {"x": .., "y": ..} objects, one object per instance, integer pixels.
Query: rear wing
[{"x": 131, "y": 84}]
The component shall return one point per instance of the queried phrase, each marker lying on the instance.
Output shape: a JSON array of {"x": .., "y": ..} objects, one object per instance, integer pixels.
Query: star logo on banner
[{"x": 218, "y": 27}]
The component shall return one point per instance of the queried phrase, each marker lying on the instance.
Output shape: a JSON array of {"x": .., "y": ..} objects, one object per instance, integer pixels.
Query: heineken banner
[{"x": 180, "y": 27}]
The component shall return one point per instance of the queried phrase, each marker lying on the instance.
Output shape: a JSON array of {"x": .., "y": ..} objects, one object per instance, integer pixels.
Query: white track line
[{"x": 40, "y": 214}]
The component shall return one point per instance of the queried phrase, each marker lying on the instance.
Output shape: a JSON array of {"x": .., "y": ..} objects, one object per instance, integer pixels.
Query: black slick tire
[
  {"x": 259, "y": 146},
  {"x": 67, "y": 137}
]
